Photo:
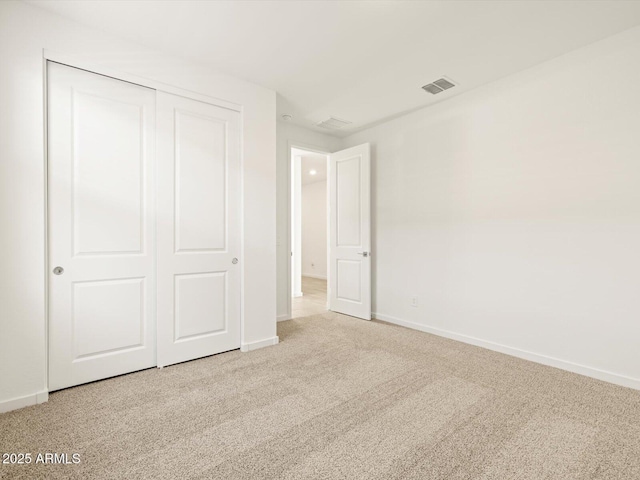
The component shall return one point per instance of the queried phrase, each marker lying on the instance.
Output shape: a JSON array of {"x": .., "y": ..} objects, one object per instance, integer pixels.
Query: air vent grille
[
  {"x": 333, "y": 123},
  {"x": 439, "y": 85},
  {"x": 444, "y": 84},
  {"x": 433, "y": 88}
]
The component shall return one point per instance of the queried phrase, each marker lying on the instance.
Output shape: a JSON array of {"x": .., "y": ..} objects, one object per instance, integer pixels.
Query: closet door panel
[
  {"x": 199, "y": 229},
  {"x": 101, "y": 158}
]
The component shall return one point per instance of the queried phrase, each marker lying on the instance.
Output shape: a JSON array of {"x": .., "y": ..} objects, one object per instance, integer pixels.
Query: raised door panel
[
  {"x": 348, "y": 280},
  {"x": 200, "y": 305},
  {"x": 108, "y": 316},
  {"x": 108, "y": 175},
  {"x": 348, "y": 208},
  {"x": 200, "y": 182}
]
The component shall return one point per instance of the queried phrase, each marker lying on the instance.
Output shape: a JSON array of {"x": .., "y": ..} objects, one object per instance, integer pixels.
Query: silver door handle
[
  {"x": 364, "y": 254},
  {"x": 58, "y": 271}
]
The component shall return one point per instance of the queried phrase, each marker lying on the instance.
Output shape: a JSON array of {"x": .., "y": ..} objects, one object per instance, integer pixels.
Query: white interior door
[
  {"x": 198, "y": 229},
  {"x": 101, "y": 143},
  {"x": 350, "y": 232}
]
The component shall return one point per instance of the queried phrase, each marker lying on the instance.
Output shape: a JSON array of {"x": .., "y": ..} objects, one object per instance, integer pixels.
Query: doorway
[
  {"x": 348, "y": 234},
  {"x": 309, "y": 240}
]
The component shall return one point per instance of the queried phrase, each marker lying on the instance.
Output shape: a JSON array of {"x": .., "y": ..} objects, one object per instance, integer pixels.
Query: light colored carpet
[{"x": 338, "y": 398}]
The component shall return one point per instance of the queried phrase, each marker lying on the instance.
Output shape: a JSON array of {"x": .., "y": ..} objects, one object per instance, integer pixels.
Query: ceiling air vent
[
  {"x": 439, "y": 85},
  {"x": 333, "y": 123}
]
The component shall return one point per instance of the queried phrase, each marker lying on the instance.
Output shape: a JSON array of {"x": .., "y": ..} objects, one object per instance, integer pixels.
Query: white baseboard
[
  {"x": 26, "y": 401},
  {"x": 516, "y": 352},
  {"x": 313, "y": 275},
  {"x": 282, "y": 318},
  {"x": 297, "y": 294},
  {"x": 267, "y": 342}
]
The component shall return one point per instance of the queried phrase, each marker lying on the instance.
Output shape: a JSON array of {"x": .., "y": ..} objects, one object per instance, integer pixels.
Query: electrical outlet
[{"x": 414, "y": 301}]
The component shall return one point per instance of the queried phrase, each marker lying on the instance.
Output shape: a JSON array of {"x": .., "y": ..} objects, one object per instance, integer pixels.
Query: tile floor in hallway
[{"x": 313, "y": 300}]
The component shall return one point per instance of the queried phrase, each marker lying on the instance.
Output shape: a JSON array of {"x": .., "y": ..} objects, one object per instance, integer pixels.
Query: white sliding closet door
[
  {"x": 101, "y": 142},
  {"x": 198, "y": 229}
]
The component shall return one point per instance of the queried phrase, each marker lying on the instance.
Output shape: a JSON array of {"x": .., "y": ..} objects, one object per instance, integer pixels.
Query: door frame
[
  {"x": 291, "y": 144},
  {"x": 82, "y": 64}
]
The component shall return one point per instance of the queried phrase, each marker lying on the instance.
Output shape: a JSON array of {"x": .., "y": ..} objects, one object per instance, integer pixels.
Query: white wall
[
  {"x": 314, "y": 229},
  {"x": 512, "y": 213},
  {"x": 289, "y": 134},
  {"x": 24, "y": 32}
]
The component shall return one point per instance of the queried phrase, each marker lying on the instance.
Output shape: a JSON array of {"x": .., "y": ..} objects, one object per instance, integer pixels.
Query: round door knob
[
  {"x": 58, "y": 271},
  {"x": 234, "y": 261}
]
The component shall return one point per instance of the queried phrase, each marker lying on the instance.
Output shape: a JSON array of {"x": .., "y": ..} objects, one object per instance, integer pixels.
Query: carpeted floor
[{"x": 338, "y": 398}]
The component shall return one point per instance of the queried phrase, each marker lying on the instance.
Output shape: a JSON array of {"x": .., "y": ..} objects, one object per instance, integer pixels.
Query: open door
[{"x": 350, "y": 232}]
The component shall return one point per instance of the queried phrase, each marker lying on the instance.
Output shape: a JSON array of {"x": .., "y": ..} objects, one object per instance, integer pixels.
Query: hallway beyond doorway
[{"x": 313, "y": 300}]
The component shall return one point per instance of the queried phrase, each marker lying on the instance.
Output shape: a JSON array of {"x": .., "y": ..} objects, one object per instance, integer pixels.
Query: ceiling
[
  {"x": 311, "y": 161},
  {"x": 361, "y": 61},
  {"x": 317, "y": 163}
]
